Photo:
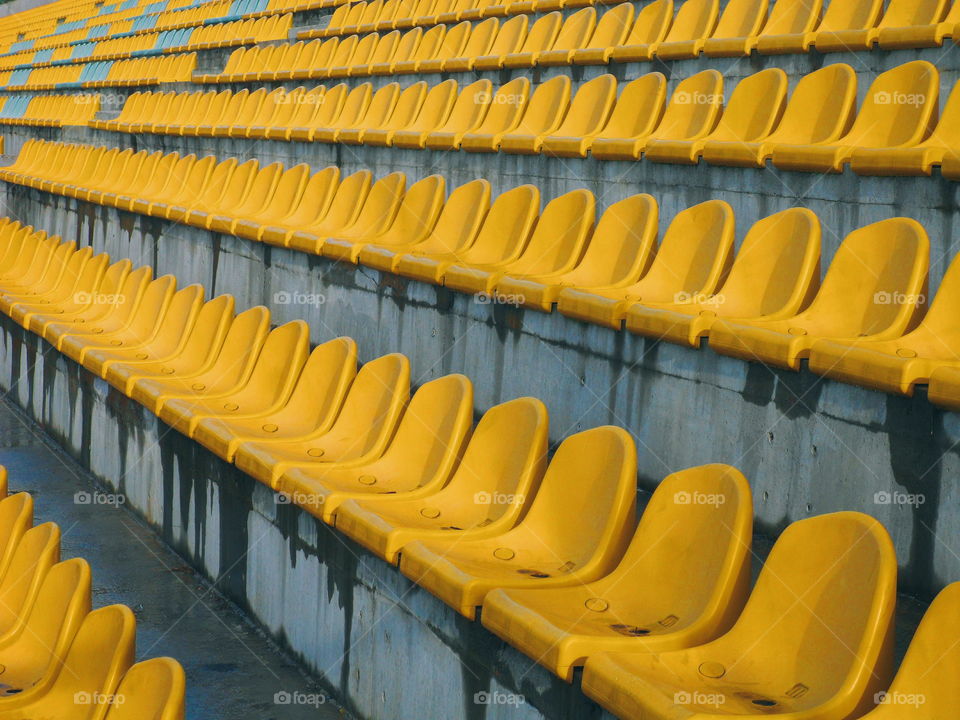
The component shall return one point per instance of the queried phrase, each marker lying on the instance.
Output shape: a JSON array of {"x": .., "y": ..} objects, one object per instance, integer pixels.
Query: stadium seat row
[
  {"x": 61, "y": 659},
  {"x": 479, "y": 517},
  {"x": 699, "y": 25},
  {"x": 48, "y": 110},
  {"x": 107, "y": 73},
  {"x": 864, "y": 323},
  {"x": 816, "y": 129}
]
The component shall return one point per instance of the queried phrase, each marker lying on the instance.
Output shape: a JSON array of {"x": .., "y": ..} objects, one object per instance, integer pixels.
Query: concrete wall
[{"x": 808, "y": 445}]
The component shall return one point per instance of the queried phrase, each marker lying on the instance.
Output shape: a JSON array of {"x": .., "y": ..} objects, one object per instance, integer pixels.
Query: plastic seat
[
  {"x": 178, "y": 354},
  {"x": 231, "y": 366},
  {"x": 694, "y": 21},
  {"x": 589, "y": 112},
  {"x": 660, "y": 596},
  {"x": 419, "y": 118},
  {"x": 16, "y": 518},
  {"x": 787, "y": 17},
  {"x": 507, "y": 107},
  {"x": 824, "y": 599},
  {"x": 899, "y": 110},
  {"x": 509, "y": 39},
  {"x": 548, "y": 106},
  {"x": 839, "y": 16},
  {"x": 361, "y": 430},
  {"x": 820, "y": 110},
  {"x": 461, "y": 109},
  {"x": 897, "y": 364},
  {"x": 267, "y": 389},
  {"x": 941, "y": 148},
  {"x": 342, "y": 211},
  {"x": 541, "y": 37},
  {"x": 755, "y": 107},
  {"x": 612, "y": 30},
  {"x": 292, "y": 210},
  {"x": 773, "y": 277},
  {"x": 427, "y": 48},
  {"x": 454, "y": 41},
  {"x": 898, "y": 14},
  {"x": 576, "y": 529},
  {"x": 479, "y": 43},
  {"x": 456, "y": 228},
  {"x": 574, "y": 34},
  {"x": 554, "y": 248},
  {"x": 468, "y": 113},
  {"x": 692, "y": 113},
  {"x": 152, "y": 690},
  {"x": 919, "y": 35},
  {"x": 620, "y": 250},
  {"x": 33, "y": 656},
  {"x": 692, "y": 260},
  {"x": 313, "y": 403},
  {"x": 923, "y": 686},
  {"x": 886, "y": 259},
  {"x": 101, "y": 653},
  {"x": 491, "y": 487},
  {"x": 420, "y": 457},
  {"x": 740, "y": 19},
  {"x": 34, "y": 553}
]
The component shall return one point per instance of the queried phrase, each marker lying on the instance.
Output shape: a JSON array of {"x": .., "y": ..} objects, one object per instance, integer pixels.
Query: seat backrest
[
  {"x": 821, "y": 108},
  {"x": 543, "y": 33},
  {"x": 560, "y": 235},
  {"x": 652, "y": 23},
  {"x": 548, "y": 103},
  {"x": 777, "y": 269},
  {"x": 694, "y": 20},
  {"x": 789, "y": 17},
  {"x": 694, "y": 107},
  {"x": 613, "y": 27},
  {"x": 741, "y": 18},
  {"x": 851, "y": 15},
  {"x": 755, "y": 107},
  {"x": 36, "y": 552},
  {"x": 510, "y": 36},
  {"x": 694, "y": 255},
  {"x": 409, "y": 104},
  {"x": 151, "y": 690},
  {"x": 590, "y": 107},
  {"x": 470, "y": 107},
  {"x": 876, "y": 281},
  {"x": 460, "y": 219},
  {"x": 506, "y": 227},
  {"x": 327, "y": 374},
  {"x": 506, "y": 107},
  {"x": 900, "y": 107},
  {"x": 436, "y": 107},
  {"x": 481, "y": 38},
  {"x": 576, "y": 30}
]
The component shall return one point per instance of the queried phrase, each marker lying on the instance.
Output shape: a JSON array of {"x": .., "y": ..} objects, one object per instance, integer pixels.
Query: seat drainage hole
[
  {"x": 631, "y": 630},
  {"x": 763, "y": 702},
  {"x": 533, "y": 573}
]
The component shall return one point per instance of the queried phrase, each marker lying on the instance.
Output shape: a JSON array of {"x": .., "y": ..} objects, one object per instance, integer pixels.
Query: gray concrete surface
[{"x": 233, "y": 670}]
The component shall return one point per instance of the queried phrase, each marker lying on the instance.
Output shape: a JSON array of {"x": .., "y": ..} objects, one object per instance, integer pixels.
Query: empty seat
[
  {"x": 419, "y": 460},
  {"x": 694, "y": 21},
  {"x": 649, "y": 29},
  {"x": 839, "y": 16},
  {"x": 755, "y": 107},
  {"x": 774, "y": 276},
  {"x": 897, "y": 364},
  {"x": 787, "y": 17},
  {"x": 692, "y": 113},
  {"x": 518, "y": 111},
  {"x": 620, "y": 250},
  {"x": 740, "y": 19},
  {"x": 898, "y": 14},
  {"x": 820, "y": 110},
  {"x": 874, "y": 266},
  {"x": 151, "y": 690},
  {"x": 577, "y": 528},
  {"x": 612, "y": 30},
  {"x": 814, "y": 638},
  {"x": 899, "y": 110},
  {"x": 648, "y": 601},
  {"x": 461, "y": 110},
  {"x": 692, "y": 260},
  {"x": 491, "y": 115},
  {"x": 923, "y": 34}
]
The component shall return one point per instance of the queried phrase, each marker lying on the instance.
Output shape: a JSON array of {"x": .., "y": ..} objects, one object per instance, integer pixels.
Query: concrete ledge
[{"x": 807, "y": 444}]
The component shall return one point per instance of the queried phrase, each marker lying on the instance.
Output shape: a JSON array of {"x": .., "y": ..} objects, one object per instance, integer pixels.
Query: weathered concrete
[{"x": 807, "y": 444}]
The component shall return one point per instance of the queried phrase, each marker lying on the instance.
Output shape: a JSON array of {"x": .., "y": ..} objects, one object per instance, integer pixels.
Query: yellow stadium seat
[
  {"x": 468, "y": 114},
  {"x": 429, "y": 45},
  {"x": 541, "y": 37},
  {"x": 576, "y": 530},
  {"x": 588, "y": 114},
  {"x": 153, "y": 689},
  {"x": 773, "y": 277},
  {"x": 692, "y": 261},
  {"x": 507, "y": 108},
  {"x": 326, "y": 127},
  {"x": 412, "y": 222},
  {"x": 695, "y": 21},
  {"x": 740, "y": 19},
  {"x": 554, "y": 248},
  {"x": 453, "y": 45},
  {"x": 313, "y": 404},
  {"x": 479, "y": 42},
  {"x": 95, "y": 281},
  {"x": 342, "y": 212},
  {"x": 661, "y": 596},
  {"x": 575, "y": 33},
  {"x": 897, "y": 365},
  {"x": 35, "y": 552},
  {"x": 456, "y": 228},
  {"x": 437, "y": 110},
  {"x": 820, "y": 110},
  {"x": 420, "y": 457},
  {"x": 619, "y": 251},
  {"x": 918, "y": 34},
  {"x": 16, "y": 518},
  {"x": 755, "y": 107},
  {"x": 888, "y": 259},
  {"x": 509, "y": 39},
  {"x": 692, "y": 112},
  {"x": 487, "y": 494},
  {"x": 649, "y": 30},
  {"x": 361, "y": 430},
  {"x": 844, "y": 15},
  {"x": 941, "y": 148},
  {"x": 898, "y": 14},
  {"x": 612, "y": 30},
  {"x": 386, "y": 103},
  {"x": 317, "y": 194},
  {"x": 787, "y": 17},
  {"x": 899, "y": 110},
  {"x": 284, "y": 198},
  {"x": 815, "y": 639},
  {"x": 427, "y": 116},
  {"x": 544, "y": 112}
]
